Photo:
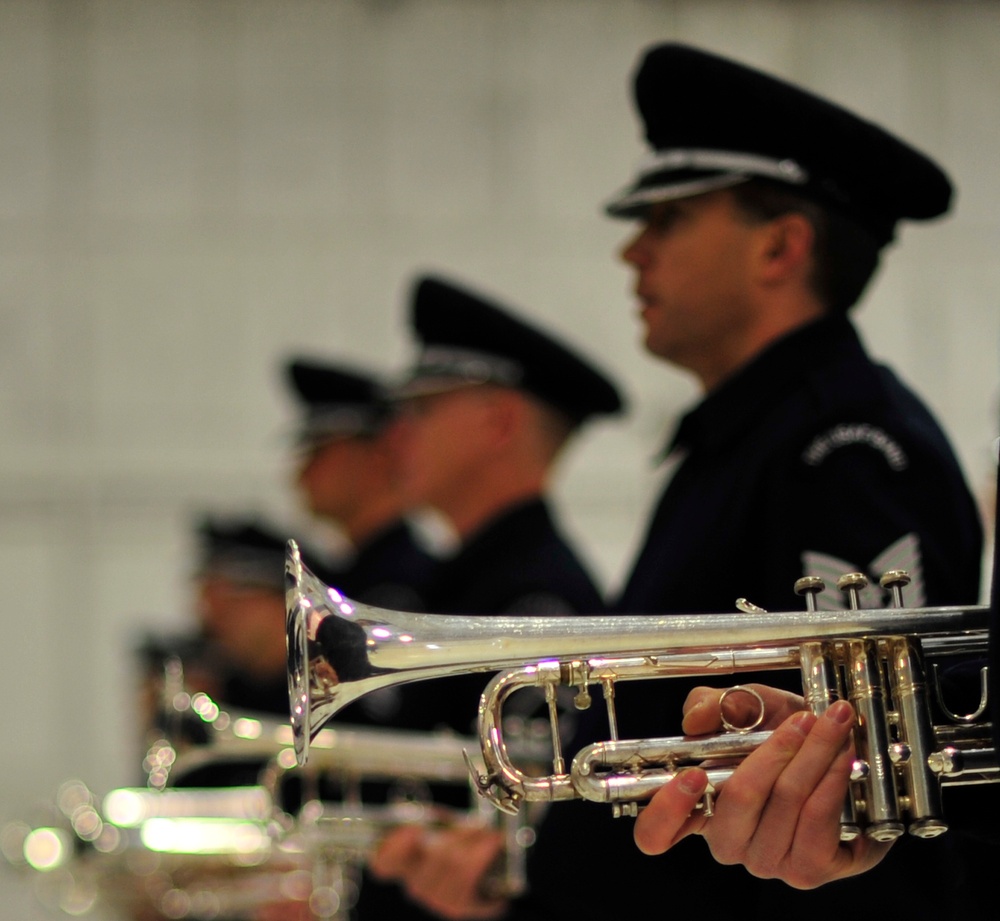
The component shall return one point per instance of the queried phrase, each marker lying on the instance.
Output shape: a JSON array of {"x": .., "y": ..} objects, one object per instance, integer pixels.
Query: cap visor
[
  {"x": 637, "y": 199},
  {"x": 421, "y": 386}
]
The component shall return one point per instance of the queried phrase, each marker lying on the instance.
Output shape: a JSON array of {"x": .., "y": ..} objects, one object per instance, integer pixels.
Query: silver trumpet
[
  {"x": 315, "y": 817},
  {"x": 307, "y": 843},
  {"x": 887, "y": 662},
  {"x": 227, "y": 734},
  {"x": 194, "y": 854},
  {"x": 172, "y": 849}
]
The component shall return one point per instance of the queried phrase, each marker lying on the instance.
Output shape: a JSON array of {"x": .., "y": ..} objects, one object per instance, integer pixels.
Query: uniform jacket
[
  {"x": 517, "y": 563},
  {"x": 391, "y": 570},
  {"x": 812, "y": 459}
]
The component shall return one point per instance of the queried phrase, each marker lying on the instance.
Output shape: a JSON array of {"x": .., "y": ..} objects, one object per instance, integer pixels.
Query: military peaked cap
[
  {"x": 467, "y": 339},
  {"x": 337, "y": 401},
  {"x": 244, "y": 551},
  {"x": 712, "y": 123}
]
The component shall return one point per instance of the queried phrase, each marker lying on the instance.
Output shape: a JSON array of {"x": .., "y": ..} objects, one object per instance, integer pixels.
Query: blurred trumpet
[
  {"x": 155, "y": 854},
  {"x": 177, "y": 850},
  {"x": 909, "y": 742}
]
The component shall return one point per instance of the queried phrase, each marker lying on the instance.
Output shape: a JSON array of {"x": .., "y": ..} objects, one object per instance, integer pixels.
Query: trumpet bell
[
  {"x": 339, "y": 649},
  {"x": 320, "y": 685},
  {"x": 297, "y": 651}
]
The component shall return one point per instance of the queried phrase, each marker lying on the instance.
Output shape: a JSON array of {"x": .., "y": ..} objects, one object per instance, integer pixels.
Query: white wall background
[{"x": 192, "y": 190}]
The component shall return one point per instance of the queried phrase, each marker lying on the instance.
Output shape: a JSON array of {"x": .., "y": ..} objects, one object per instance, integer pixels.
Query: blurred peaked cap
[
  {"x": 245, "y": 551},
  {"x": 337, "y": 401},
  {"x": 712, "y": 123},
  {"x": 467, "y": 339}
]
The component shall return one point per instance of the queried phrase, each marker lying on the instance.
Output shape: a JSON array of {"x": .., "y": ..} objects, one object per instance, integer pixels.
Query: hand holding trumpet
[
  {"x": 444, "y": 870},
  {"x": 779, "y": 813}
]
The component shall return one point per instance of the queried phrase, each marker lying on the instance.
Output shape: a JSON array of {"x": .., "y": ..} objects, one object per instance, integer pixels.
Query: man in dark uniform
[
  {"x": 241, "y": 597},
  {"x": 236, "y": 655},
  {"x": 763, "y": 212},
  {"x": 348, "y": 476},
  {"x": 489, "y": 406}
]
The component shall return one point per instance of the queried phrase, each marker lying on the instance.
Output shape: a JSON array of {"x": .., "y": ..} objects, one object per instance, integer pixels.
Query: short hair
[{"x": 845, "y": 256}]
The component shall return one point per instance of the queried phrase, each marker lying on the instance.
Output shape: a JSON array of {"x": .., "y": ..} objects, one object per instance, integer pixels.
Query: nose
[
  {"x": 399, "y": 433},
  {"x": 301, "y": 467},
  {"x": 633, "y": 250}
]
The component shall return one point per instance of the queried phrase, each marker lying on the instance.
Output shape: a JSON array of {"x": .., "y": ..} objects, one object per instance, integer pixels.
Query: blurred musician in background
[
  {"x": 236, "y": 653},
  {"x": 487, "y": 409},
  {"x": 348, "y": 473},
  {"x": 762, "y": 214},
  {"x": 348, "y": 476}
]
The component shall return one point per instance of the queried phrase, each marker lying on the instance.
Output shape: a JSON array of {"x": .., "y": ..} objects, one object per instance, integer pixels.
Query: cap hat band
[
  {"x": 341, "y": 419},
  {"x": 323, "y": 423},
  {"x": 469, "y": 365},
  {"x": 678, "y": 158},
  {"x": 633, "y": 202},
  {"x": 249, "y": 569},
  {"x": 705, "y": 116},
  {"x": 679, "y": 172}
]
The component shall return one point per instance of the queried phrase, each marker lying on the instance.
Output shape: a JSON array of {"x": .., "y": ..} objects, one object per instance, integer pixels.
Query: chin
[{"x": 654, "y": 347}]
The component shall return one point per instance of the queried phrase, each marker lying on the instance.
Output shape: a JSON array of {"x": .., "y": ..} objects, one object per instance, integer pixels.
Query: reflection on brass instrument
[
  {"x": 177, "y": 850},
  {"x": 206, "y": 732},
  {"x": 888, "y": 662},
  {"x": 206, "y": 855}
]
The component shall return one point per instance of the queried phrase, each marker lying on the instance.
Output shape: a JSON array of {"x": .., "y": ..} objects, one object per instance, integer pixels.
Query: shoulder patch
[
  {"x": 901, "y": 554},
  {"x": 855, "y": 433}
]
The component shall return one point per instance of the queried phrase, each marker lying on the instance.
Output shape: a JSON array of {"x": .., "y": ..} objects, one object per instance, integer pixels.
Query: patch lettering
[{"x": 855, "y": 433}]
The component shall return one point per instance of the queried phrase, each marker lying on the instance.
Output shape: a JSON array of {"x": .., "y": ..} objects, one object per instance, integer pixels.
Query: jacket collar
[{"x": 740, "y": 402}]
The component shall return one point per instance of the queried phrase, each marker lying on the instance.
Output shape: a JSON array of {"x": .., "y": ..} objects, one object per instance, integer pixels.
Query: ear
[
  {"x": 506, "y": 415},
  {"x": 786, "y": 248}
]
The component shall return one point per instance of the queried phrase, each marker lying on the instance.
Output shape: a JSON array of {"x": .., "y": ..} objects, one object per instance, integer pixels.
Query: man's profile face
[
  {"x": 246, "y": 621},
  {"x": 329, "y": 476},
  {"x": 442, "y": 440},
  {"x": 693, "y": 261}
]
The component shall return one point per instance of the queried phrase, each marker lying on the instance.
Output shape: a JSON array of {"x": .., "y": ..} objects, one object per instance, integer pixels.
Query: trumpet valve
[
  {"x": 852, "y": 584},
  {"x": 894, "y": 580},
  {"x": 849, "y": 832},
  {"x": 810, "y": 587},
  {"x": 884, "y": 832},
  {"x": 928, "y": 828}
]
